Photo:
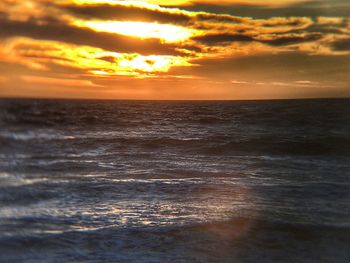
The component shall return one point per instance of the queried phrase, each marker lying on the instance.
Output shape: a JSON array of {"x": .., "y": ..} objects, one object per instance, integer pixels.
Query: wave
[
  {"x": 211, "y": 145},
  {"x": 241, "y": 239},
  {"x": 34, "y": 135}
]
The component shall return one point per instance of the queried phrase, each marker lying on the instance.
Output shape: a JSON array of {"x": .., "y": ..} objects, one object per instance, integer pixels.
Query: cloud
[
  {"x": 313, "y": 8},
  {"x": 290, "y": 39},
  {"x": 47, "y": 55},
  {"x": 220, "y": 39},
  {"x": 341, "y": 44},
  {"x": 127, "y": 13},
  {"x": 226, "y": 2},
  {"x": 103, "y": 39},
  {"x": 210, "y": 30},
  {"x": 283, "y": 40},
  {"x": 55, "y": 30}
]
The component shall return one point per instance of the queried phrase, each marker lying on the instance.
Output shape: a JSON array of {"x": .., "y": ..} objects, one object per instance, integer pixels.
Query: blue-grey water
[{"x": 143, "y": 181}]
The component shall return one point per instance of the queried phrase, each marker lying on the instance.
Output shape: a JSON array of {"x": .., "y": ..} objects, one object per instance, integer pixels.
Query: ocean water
[{"x": 162, "y": 181}]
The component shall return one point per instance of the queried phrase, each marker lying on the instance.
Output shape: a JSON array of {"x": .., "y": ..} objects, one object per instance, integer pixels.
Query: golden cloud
[{"x": 144, "y": 39}]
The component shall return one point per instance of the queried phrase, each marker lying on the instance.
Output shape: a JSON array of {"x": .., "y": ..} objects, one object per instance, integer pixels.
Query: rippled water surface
[{"x": 119, "y": 181}]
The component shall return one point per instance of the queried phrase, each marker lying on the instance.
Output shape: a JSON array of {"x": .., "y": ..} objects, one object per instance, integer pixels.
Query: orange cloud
[
  {"x": 225, "y": 2},
  {"x": 102, "y": 39},
  {"x": 42, "y": 55}
]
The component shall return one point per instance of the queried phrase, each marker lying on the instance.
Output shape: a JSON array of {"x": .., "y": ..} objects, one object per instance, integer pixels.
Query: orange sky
[{"x": 178, "y": 49}]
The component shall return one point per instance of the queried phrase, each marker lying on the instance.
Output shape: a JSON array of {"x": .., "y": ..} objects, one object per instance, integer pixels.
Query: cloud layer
[{"x": 139, "y": 39}]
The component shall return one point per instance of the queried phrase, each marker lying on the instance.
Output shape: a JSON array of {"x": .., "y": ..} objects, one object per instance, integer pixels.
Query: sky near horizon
[{"x": 175, "y": 49}]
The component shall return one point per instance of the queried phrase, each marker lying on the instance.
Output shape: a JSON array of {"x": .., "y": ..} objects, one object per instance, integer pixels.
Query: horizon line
[{"x": 170, "y": 100}]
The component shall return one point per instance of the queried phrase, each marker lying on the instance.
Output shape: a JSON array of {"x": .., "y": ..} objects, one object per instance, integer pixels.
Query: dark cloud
[
  {"x": 135, "y": 13},
  {"x": 227, "y": 28},
  {"x": 58, "y": 31},
  {"x": 293, "y": 39},
  {"x": 108, "y": 59},
  {"x": 219, "y": 18},
  {"x": 224, "y": 38},
  {"x": 307, "y": 8},
  {"x": 283, "y": 40},
  {"x": 341, "y": 45},
  {"x": 127, "y": 13},
  {"x": 324, "y": 29}
]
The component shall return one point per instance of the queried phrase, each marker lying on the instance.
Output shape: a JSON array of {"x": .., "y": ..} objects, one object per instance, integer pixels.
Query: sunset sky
[{"x": 175, "y": 49}]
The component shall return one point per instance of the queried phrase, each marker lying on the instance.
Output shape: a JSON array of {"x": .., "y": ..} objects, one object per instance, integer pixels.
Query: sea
[{"x": 174, "y": 181}]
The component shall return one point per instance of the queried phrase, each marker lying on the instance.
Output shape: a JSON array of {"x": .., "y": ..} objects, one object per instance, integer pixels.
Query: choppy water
[{"x": 118, "y": 181}]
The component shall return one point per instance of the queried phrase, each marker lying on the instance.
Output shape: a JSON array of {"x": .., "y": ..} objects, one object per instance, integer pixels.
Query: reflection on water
[{"x": 174, "y": 181}]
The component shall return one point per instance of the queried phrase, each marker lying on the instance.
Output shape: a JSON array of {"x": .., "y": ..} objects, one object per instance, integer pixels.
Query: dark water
[{"x": 118, "y": 181}]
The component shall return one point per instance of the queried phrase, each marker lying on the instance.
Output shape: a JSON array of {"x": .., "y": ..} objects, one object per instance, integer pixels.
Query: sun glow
[
  {"x": 38, "y": 54},
  {"x": 186, "y": 2},
  {"x": 152, "y": 63},
  {"x": 143, "y": 30},
  {"x": 140, "y": 3}
]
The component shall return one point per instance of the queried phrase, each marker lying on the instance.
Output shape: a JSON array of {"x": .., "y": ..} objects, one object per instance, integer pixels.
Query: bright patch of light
[
  {"x": 143, "y": 30},
  {"x": 37, "y": 54}
]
